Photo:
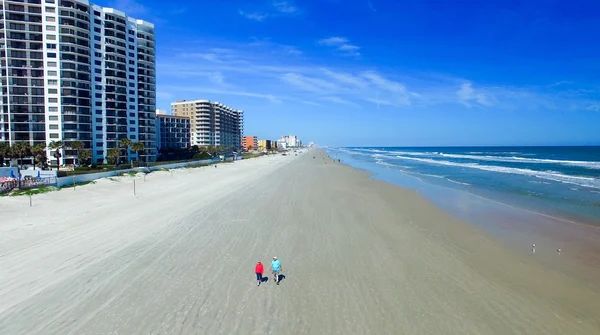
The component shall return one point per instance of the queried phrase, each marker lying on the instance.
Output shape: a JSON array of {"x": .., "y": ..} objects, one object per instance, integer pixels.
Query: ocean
[{"x": 562, "y": 182}]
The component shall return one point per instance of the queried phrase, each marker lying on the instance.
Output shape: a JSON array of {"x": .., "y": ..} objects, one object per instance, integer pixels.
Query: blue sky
[{"x": 375, "y": 72}]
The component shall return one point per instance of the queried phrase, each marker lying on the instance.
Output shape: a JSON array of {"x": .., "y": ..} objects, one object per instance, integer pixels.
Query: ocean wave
[
  {"x": 547, "y": 175},
  {"x": 514, "y": 159},
  {"x": 457, "y": 182}
]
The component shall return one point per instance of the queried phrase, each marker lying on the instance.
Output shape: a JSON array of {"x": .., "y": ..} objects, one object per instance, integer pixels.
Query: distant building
[
  {"x": 173, "y": 132},
  {"x": 212, "y": 123},
  {"x": 289, "y": 141},
  {"x": 250, "y": 143},
  {"x": 161, "y": 112},
  {"x": 266, "y": 145}
]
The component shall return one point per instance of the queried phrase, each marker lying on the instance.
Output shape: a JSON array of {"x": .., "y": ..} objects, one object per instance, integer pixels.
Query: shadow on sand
[{"x": 280, "y": 278}]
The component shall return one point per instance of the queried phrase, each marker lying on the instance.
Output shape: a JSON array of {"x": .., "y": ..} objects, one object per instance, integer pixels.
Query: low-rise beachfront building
[
  {"x": 212, "y": 123},
  {"x": 173, "y": 132},
  {"x": 266, "y": 145},
  {"x": 250, "y": 143},
  {"x": 289, "y": 141}
]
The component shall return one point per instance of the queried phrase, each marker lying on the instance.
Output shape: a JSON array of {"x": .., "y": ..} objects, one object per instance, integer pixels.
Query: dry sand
[{"x": 359, "y": 256}]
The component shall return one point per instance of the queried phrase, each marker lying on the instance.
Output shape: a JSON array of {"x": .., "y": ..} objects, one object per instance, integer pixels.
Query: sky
[{"x": 386, "y": 72}]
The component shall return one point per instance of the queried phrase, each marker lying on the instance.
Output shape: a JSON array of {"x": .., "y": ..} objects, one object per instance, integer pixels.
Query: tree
[
  {"x": 250, "y": 148},
  {"x": 77, "y": 145},
  {"x": 125, "y": 143},
  {"x": 39, "y": 154},
  {"x": 4, "y": 152},
  {"x": 137, "y": 147},
  {"x": 20, "y": 149},
  {"x": 113, "y": 155},
  {"x": 57, "y": 146},
  {"x": 84, "y": 156}
]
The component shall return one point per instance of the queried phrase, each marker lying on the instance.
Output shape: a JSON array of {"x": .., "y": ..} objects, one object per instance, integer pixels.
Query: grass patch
[
  {"x": 33, "y": 191},
  {"x": 130, "y": 174},
  {"x": 80, "y": 184},
  {"x": 251, "y": 155}
]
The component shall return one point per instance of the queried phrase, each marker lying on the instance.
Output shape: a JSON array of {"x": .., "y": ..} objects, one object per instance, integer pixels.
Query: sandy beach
[{"x": 359, "y": 257}]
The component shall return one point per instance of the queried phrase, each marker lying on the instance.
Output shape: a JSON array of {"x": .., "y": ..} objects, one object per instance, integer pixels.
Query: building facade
[
  {"x": 266, "y": 145},
  {"x": 74, "y": 71},
  {"x": 249, "y": 143},
  {"x": 212, "y": 123},
  {"x": 173, "y": 132}
]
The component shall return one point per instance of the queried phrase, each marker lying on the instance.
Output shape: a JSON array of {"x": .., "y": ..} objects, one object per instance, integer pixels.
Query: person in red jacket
[{"x": 259, "y": 269}]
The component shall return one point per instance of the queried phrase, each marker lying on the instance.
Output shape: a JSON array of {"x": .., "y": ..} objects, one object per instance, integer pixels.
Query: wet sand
[{"x": 360, "y": 257}]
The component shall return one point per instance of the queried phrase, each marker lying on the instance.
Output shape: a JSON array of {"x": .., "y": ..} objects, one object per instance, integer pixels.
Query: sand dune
[{"x": 359, "y": 256}]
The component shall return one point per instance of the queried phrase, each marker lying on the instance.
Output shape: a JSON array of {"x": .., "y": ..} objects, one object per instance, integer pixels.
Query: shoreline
[{"x": 578, "y": 241}]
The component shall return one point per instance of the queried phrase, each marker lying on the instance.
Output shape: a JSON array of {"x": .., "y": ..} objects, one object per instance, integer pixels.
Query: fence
[
  {"x": 82, "y": 178},
  {"x": 8, "y": 184}
]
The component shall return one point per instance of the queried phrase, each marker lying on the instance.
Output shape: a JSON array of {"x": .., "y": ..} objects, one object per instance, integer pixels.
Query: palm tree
[
  {"x": 4, "y": 152},
  {"x": 57, "y": 146},
  {"x": 125, "y": 143},
  {"x": 113, "y": 155},
  {"x": 20, "y": 149},
  {"x": 39, "y": 153},
  {"x": 137, "y": 147},
  {"x": 77, "y": 145},
  {"x": 84, "y": 156}
]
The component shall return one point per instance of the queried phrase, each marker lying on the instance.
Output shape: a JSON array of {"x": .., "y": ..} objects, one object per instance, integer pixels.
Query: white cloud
[
  {"x": 341, "y": 44},
  {"x": 254, "y": 16},
  {"x": 308, "y": 84},
  {"x": 595, "y": 108},
  {"x": 467, "y": 95},
  {"x": 333, "y": 41},
  {"x": 339, "y": 100},
  {"x": 284, "y": 7},
  {"x": 346, "y": 78}
]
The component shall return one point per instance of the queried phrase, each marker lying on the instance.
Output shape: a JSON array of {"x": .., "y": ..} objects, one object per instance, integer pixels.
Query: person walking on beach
[
  {"x": 259, "y": 269},
  {"x": 276, "y": 268}
]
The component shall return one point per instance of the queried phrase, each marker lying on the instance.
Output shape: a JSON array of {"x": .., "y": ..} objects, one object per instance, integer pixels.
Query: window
[
  {"x": 131, "y": 99},
  {"x": 131, "y": 54},
  {"x": 98, "y": 71},
  {"x": 132, "y": 137},
  {"x": 99, "y": 111},
  {"x": 53, "y": 127},
  {"x": 53, "y": 118},
  {"x": 53, "y": 100},
  {"x": 98, "y": 30},
  {"x": 52, "y": 135},
  {"x": 51, "y": 46},
  {"x": 99, "y": 95},
  {"x": 131, "y": 69},
  {"x": 131, "y": 114},
  {"x": 131, "y": 39},
  {"x": 98, "y": 62},
  {"x": 52, "y": 91},
  {"x": 50, "y": 18},
  {"x": 50, "y": 10},
  {"x": 132, "y": 77},
  {"x": 131, "y": 92},
  {"x": 98, "y": 54},
  {"x": 99, "y": 119},
  {"x": 52, "y": 82},
  {"x": 99, "y": 136},
  {"x": 132, "y": 129},
  {"x": 132, "y": 62},
  {"x": 131, "y": 84},
  {"x": 52, "y": 64},
  {"x": 131, "y": 121},
  {"x": 52, "y": 55},
  {"x": 52, "y": 73},
  {"x": 51, "y": 37},
  {"x": 98, "y": 38},
  {"x": 50, "y": 28},
  {"x": 98, "y": 87},
  {"x": 99, "y": 144},
  {"x": 53, "y": 109},
  {"x": 99, "y": 152},
  {"x": 131, "y": 106},
  {"x": 49, "y": 1},
  {"x": 131, "y": 47},
  {"x": 96, "y": 21},
  {"x": 99, "y": 103}
]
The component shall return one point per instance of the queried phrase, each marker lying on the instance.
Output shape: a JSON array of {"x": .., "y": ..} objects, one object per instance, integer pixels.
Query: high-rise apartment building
[
  {"x": 173, "y": 132},
  {"x": 212, "y": 122},
  {"x": 71, "y": 71}
]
